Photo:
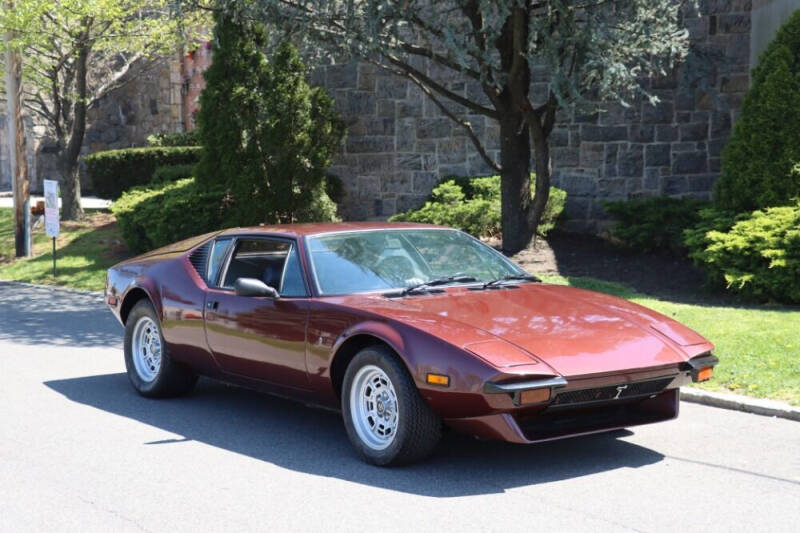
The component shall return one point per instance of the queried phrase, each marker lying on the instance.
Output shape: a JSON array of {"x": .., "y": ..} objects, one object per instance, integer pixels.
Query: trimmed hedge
[
  {"x": 167, "y": 173},
  {"x": 755, "y": 255},
  {"x": 655, "y": 224},
  {"x": 153, "y": 216},
  {"x": 113, "y": 172},
  {"x": 473, "y": 205}
]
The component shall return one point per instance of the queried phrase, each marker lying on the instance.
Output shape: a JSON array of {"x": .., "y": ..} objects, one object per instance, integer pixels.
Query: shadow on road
[
  {"x": 38, "y": 315},
  {"x": 309, "y": 440}
]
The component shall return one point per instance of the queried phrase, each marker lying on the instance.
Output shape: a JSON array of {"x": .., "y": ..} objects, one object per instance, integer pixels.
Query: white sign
[{"x": 51, "y": 224}]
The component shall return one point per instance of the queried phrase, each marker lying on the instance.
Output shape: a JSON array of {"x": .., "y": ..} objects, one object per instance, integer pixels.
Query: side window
[
  {"x": 217, "y": 257},
  {"x": 293, "y": 285},
  {"x": 272, "y": 261}
]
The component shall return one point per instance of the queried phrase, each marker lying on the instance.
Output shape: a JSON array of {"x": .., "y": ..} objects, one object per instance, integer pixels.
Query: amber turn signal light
[
  {"x": 438, "y": 379},
  {"x": 534, "y": 396},
  {"x": 705, "y": 373}
]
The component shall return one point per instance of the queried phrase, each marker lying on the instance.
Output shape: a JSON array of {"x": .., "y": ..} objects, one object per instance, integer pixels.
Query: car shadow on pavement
[{"x": 310, "y": 440}]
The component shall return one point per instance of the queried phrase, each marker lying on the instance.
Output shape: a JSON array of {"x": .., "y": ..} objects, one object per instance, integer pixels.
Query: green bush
[
  {"x": 186, "y": 138},
  {"x": 756, "y": 255},
  {"x": 268, "y": 136},
  {"x": 167, "y": 173},
  {"x": 156, "y": 215},
  {"x": 113, "y": 172},
  {"x": 473, "y": 205},
  {"x": 655, "y": 224},
  {"x": 764, "y": 147}
]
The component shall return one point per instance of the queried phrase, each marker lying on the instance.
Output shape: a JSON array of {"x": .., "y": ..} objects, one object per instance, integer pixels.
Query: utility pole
[{"x": 17, "y": 153}]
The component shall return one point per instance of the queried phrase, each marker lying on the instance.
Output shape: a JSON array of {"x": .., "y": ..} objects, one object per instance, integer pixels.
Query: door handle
[{"x": 212, "y": 304}]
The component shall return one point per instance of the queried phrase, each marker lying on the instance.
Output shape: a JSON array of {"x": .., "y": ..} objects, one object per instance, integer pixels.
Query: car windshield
[{"x": 374, "y": 260}]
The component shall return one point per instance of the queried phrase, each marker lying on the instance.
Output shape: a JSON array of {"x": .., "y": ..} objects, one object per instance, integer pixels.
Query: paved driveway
[{"x": 79, "y": 451}]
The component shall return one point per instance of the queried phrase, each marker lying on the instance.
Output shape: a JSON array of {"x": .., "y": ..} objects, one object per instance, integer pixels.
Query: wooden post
[{"x": 17, "y": 152}]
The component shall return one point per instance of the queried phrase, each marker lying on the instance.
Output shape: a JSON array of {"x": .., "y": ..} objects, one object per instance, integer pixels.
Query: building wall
[
  {"x": 399, "y": 144},
  {"x": 767, "y": 16}
]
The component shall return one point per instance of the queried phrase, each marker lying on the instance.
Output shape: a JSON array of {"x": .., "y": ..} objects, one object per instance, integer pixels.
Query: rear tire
[
  {"x": 387, "y": 420},
  {"x": 151, "y": 370}
]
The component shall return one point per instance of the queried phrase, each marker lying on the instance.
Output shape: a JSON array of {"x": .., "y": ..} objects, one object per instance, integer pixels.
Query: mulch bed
[{"x": 660, "y": 275}]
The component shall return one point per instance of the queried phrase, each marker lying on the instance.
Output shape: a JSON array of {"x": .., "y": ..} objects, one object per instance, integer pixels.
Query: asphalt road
[{"x": 79, "y": 451}]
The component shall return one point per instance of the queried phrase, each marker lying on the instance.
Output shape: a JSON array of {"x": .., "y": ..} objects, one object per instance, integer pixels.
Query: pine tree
[{"x": 268, "y": 136}]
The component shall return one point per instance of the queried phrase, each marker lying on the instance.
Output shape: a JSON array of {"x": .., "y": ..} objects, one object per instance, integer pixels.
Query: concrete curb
[{"x": 741, "y": 403}]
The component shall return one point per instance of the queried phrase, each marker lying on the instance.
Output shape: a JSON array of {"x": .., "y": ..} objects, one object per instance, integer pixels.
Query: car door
[{"x": 258, "y": 337}]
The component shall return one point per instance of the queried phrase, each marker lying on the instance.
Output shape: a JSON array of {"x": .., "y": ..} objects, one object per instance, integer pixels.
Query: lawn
[
  {"x": 84, "y": 251},
  {"x": 758, "y": 346}
]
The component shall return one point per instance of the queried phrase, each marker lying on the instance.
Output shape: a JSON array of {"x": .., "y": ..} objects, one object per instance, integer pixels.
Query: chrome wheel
[
  {"x": 373, "y": 407},
  {"x": 146, "y": 348}
]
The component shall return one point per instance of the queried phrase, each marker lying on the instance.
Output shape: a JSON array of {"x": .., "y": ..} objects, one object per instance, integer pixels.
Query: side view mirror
[{"x": 254, "y": 287}]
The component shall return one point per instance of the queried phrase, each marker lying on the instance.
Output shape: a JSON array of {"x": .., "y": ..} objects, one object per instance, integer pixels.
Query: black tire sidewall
[
  {"x": 145, "y": 388},
  {"x": 404, "y": 388}
]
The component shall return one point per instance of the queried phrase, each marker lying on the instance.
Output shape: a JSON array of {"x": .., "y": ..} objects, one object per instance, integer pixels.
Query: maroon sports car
[{"x": 406, "y": 327}]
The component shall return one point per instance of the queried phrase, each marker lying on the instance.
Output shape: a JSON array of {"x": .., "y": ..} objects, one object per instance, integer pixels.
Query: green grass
[
  {"x": 758, "y": 346},
  {"x": 84, "y": 251}
]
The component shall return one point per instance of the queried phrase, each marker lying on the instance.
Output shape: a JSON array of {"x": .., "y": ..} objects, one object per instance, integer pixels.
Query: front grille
[
  {"x": 612, "y": 392},
  {"x": 199, "y": 259}
]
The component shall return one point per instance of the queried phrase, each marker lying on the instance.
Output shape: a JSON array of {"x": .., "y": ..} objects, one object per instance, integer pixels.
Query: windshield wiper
[
  {"x": 513, "y": 277},
  {"x": 438, "y": 281}
]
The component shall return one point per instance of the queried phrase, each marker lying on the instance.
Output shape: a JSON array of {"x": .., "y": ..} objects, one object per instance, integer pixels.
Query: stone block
[
  {"x": 386, "y": 108},
  {"x": 409, "y": 108},
  {"x": 590, "y": 133},
  {"x": 375, "y": 163},
  {"x": 666, "y": 133},
  {"x": 720, "y": 123},
  {"x": 408, "y": 161},
  {"x": 373, "y": 145},
  {"x": 559, "y": 137},
  {"x": 369, "y": 186},
  {"x": 657, "y": 155},
  {"x": 660, "y": 113},
  {"x": 703, "y": 183},
  {"x": 690, "y": 163},
  {"x": 577, "y": 207},
  {"x": 434, "y": 128},
  {"x": 733, "y": 23},
  {"x": 358, "y": 103},
  {"x": 344, "y": 76},
  {"x": 371, "y": 126},
  {"x": 366, "y": 77},
  {"x": 578, "y": 184},
  {"x": 630, "y": 162},
  {"x": 410, "y": 201},
  {"x": 674, "y": 185},
  {"x": 591, "y": 155},
  {"x": 735, "y": 83},
  {"x": 452, "y": 150},
  {"x": 424, "y": 182},
  {"x": 391, "y": 86},
  {"x": 610, "y": 161},
  {"x": 695, "y": 131},
  {"x": 642, "y": 133},
  {"x": 396, "y": 182},
  {"x": 453, "y": 170}
]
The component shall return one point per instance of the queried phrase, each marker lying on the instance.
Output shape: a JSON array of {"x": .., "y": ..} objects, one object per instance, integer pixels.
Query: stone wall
[{"x": 399, "y": 144}]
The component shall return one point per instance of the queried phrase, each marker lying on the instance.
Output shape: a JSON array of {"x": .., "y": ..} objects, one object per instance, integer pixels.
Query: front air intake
[{"x": 199, "y": 259}]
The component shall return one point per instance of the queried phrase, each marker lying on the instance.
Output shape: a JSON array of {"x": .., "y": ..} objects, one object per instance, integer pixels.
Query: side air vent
[{"x": 199, "y": 259}]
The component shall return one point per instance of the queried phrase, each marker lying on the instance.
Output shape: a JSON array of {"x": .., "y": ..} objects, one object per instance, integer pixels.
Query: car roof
[{"x": 300, "y": 230}]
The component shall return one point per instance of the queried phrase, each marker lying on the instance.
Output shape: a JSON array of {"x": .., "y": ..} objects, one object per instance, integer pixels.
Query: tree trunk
[
  {"x": 541, "y": 153},
  {"x": 71, "y": 185},
  {"x": 17, "y": 152},
  {"x": 70, "y": 188},
  {"x": 515, "y": 156}
]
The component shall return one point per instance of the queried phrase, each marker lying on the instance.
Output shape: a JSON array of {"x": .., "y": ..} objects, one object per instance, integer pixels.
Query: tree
[
  {"x": 590, "y": 49},
  {"x": 77, "y": 52},
  {"x": 759, "y": 164},
  {"x": 268, "y": 137}
]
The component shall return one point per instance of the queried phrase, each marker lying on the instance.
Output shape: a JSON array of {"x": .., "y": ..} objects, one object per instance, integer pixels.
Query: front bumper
[{"x": 558, "y": 423}]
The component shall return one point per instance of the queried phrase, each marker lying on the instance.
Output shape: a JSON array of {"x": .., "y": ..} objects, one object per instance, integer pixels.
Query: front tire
[
  {"x": 386, "y": 418},
  {"x": 151, "y": 370}
]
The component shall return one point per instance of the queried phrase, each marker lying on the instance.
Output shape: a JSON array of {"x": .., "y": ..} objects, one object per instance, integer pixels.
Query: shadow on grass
[{"x": 313, "y": 441}]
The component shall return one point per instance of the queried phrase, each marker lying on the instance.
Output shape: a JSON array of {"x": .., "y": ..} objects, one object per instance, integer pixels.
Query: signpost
[{"x": 51, "y": 218}]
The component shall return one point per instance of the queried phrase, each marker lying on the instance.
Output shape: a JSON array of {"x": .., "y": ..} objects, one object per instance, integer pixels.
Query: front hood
[{"x": 574, "y": 331}]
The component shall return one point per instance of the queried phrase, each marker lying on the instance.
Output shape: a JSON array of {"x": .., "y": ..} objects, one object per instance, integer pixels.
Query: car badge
[{"x": 619, "y": 391}]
